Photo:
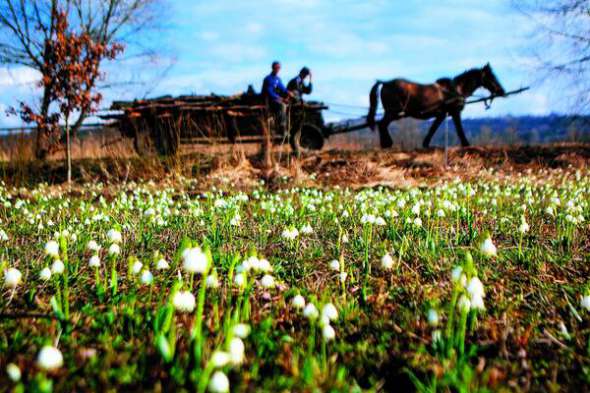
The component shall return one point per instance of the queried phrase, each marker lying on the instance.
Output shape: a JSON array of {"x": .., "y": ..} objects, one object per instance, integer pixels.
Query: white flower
[
  {"x": 416, "y": 209},
  {"x": 477, "y": 302},
  {"x": 45, "y": 274},
  {"x": 57, "y": 267},
  {"x": 12, "y": 277},
  {"x": 488, "y": 248},
  {"x": 52, "y": 248},
  {"x": 195, "y": 260},
  {"x": 212, "y": 281},
  {"x": 307, "y": 229},
  {"x": 329, "y": 311},
  {"x": 345, "y": 238},
  {"x": 464, "y": 304},
  {"x": 241, "y": 330},
  {"x": 418, "y": 221},
  {"x": 343, "y": 277},
  {"x": 147, "y": 277},
  {"x": 267, "y": 281},
  {"x": 136, "y": 267},
  {"x": 240, "y": 280},
  {"x": 585, "y": 302},
  {"x": 524, "y": 226},
  {"x": 379, "y": 221},
  {"x": 94, "y": 261},
  {"x": 92, "y": 246},
  {"x": 475, "y": 287},
  {"x": 162, "y": 264},
  {"x": 219, "y": 383},
  {"x": 114, "y": 249},
  {"x": 235, "y": 221},
  {"x": 436, "y": 336},
  {"x": 328, "y": 332},
  {"x": 262, "y": 265},
  {"x": 324, "y": 321},
  {"x": 311, "y": 312},
  {"x": 50, "y": 358},
  {"x": 298, "y": 302},
  {"x": 290, "y": 234},
  {"x": 220, "y": 359},
  {"x": 432, "y": 317},
  {"x": 368, "y": 219},
  {"x": 114, "y": 236},
  {"x": 334, "y": 265},
  {"x": 13, "y": 372},
  {"x": 387, "y": 262},
  {"x": 184, "y": 301},
  {"x": 236, "y": 350},
  {"x": 456, "y": 273}
]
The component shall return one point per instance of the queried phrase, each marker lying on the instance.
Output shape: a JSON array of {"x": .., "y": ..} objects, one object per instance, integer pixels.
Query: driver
[{"x": 276, "y": 94}]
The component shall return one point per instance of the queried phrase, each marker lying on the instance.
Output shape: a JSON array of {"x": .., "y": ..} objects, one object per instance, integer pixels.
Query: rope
[
  {"x": 350, "y": 113},
  {"x": 366, "y": 108}
]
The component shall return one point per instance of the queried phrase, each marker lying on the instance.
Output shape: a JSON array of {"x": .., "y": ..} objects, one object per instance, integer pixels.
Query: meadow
[{"x": 463, "y": 285}]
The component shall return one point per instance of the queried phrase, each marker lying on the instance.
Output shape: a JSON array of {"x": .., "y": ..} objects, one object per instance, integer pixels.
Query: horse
[{"x": 403, "y": 98}]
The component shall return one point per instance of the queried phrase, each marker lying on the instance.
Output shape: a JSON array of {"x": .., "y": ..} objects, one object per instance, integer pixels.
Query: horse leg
[
  {"x": 384, "y": 137},
  {"x": 435, "y": 124},
  {"x": 459, "y": 129}
]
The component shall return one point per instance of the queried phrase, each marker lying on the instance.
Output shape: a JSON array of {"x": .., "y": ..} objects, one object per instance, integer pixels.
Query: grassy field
[{"x": 423, "y": 279}]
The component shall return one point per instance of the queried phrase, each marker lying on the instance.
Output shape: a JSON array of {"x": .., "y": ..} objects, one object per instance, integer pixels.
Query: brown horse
[{"x": 403, "y": 98}]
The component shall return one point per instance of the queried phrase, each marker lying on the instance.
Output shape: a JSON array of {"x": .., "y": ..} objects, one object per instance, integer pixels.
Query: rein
[{"x": 486, "y": 100}]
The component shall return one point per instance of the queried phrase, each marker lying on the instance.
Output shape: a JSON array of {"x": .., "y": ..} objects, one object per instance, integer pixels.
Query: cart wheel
[{"x": 308, "y": 138}]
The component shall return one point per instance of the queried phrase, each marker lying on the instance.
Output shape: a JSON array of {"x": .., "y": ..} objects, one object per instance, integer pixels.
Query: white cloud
[
  {"x": 237, "y": 53},
  {"x": 18, "y": 76},
  {"x": 209, "y": 35},
  {"x": 254, "y": 28}
]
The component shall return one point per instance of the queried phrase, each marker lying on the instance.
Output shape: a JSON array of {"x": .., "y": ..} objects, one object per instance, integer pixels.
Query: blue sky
[{"x": 223, "y": 46}]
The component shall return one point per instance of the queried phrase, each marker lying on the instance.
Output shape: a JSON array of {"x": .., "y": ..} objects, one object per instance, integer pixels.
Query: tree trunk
[
  {"x": 78, "y": 123},
  {"x": 68, "y": 150},
  {"x": 43, "y": 140},
  {"x": 266, "y": 149}
]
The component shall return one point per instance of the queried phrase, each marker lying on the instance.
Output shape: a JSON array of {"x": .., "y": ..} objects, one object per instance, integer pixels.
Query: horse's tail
[{"x": 373, "y": 105}]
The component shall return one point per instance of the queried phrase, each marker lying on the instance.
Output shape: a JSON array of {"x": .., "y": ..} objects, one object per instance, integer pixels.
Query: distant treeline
[
  {"x": 528, "y": 129},
  {"x": 505, "y": 130}
]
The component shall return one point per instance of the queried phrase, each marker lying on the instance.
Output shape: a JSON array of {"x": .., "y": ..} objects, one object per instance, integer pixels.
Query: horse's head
[{"x": 490, "y": 82}]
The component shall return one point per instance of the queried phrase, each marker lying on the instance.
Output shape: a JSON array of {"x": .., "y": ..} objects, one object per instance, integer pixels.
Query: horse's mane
[{"x": 467, "y": 74}]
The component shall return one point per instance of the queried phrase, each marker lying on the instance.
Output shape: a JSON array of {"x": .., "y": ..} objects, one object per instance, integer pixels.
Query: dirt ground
[{"x": 241, "y": 166}]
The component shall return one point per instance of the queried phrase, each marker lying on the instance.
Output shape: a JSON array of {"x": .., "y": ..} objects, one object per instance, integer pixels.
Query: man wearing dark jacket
[
  {"x": 297, "y": 85},
  {"x": 275, "y": 94}
]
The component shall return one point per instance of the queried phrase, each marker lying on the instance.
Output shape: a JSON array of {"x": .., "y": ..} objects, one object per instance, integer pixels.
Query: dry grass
[{"x": 106, "y": 157}]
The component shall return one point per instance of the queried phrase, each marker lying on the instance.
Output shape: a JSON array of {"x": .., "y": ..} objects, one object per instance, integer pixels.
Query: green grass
[{"x": 126, "y": 325}]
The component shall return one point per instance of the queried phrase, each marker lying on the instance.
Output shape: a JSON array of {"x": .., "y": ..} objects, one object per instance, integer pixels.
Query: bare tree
[
  {"x": 561, "y": 44},
  {"x": 27, "y": 28}
]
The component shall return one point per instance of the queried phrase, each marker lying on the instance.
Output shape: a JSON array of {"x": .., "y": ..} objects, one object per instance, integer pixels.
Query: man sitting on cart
[
  {"x": 276, "y": 95},
  {"x": 297, "y": 85}
]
